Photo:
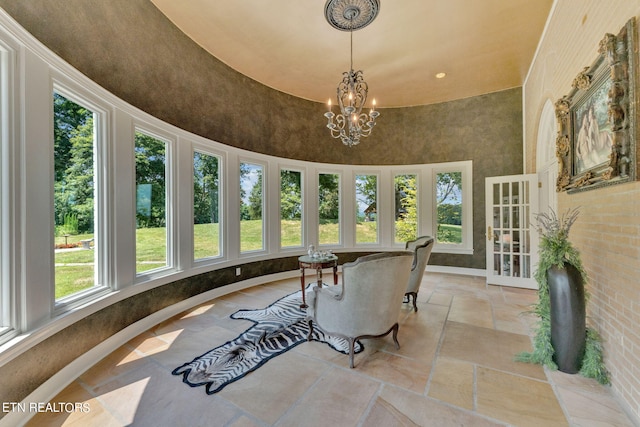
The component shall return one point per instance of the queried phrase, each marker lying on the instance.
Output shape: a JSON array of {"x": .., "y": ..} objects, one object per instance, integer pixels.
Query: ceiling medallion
[{"x": 351, "y": 15}]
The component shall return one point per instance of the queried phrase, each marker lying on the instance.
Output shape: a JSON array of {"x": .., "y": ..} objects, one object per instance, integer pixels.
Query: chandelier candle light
[{"x": 351, "y": 123}]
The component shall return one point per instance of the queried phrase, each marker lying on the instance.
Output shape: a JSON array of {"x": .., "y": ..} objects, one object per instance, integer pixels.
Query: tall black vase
[{"x": 568, "y": 317}]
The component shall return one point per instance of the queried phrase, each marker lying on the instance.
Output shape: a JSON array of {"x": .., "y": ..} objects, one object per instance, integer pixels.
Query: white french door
[{"x": 511, "y": 238}]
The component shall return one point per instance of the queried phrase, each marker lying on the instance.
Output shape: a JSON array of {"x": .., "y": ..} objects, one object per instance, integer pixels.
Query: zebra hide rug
[{"x": 277, "y": 328}]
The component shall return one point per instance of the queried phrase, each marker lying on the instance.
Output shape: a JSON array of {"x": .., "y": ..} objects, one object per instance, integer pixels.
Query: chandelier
[{"x": 351, "y": 124}]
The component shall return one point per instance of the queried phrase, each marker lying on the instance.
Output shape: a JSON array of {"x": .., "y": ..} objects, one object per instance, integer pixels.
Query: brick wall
[{"x": 607, "y": 232}]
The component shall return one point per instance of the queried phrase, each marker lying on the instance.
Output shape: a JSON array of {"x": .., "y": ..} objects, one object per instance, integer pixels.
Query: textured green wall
[
  {"x": 133, "y": 51},
  {"x": 130, "y": 48}
]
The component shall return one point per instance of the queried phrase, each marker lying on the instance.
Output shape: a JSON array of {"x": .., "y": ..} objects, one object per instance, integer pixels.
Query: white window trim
[
  {"x": 8, "y": 207},
  {"x": 419, "y": 196},
  {"x": 466, "y": 168},
  {"x": 380, "y": 207},
  {"x": 102, "y": 155},
  {"x": 222, "y": 160},
  {"x": 303, "y": 219},
  {"x": 170, "y": 198},
  {"x": 316, "y": 221},
  {"x": 265, "y": 208}
]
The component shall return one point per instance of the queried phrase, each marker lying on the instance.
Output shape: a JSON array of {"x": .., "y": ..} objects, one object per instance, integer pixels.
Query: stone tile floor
[{"x": 454, "y": 367}]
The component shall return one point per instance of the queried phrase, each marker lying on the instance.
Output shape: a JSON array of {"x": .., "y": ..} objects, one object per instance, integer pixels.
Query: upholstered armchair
[
  {"x": 421, "y": 248},
  {"x": 366, "y": 303}
]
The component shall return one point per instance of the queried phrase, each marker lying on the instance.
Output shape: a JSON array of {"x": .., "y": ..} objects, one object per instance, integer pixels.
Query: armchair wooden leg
[
  {"x": 352, "y": 343},
  {"x": 395, "y": 335},
  {"x": 310, "y": 330},
  {"x": 407, "y": 299}
]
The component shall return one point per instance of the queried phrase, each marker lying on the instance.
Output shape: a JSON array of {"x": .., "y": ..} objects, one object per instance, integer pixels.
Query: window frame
[
  {"x": 265, "y": 208},
  {"x": 170, "y": 208},
  {"x": 419, "y": 201},
  {"x": 466, "y": 168},
  {"x": 222, "y": 162},
  {"x": 379, "y": 207},
  {"x": 9, "y": 219},
  {"x": 341, "y": 175},
  {"x": 101, "y": 154},
  {"x": 303, "y": 213}
]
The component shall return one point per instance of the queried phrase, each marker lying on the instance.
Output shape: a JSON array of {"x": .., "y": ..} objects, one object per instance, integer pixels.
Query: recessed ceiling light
[{"x": 441, "y": 75}]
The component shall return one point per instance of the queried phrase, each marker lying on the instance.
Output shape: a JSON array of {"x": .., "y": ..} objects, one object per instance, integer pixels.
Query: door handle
[{"x": 489, "y": 234}]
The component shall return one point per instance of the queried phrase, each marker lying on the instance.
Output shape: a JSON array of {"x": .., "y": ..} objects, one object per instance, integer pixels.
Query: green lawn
[
  {"x": 205, "y": 240},
  {"x": 74, "y": 269},
  {"x": 329, "y": 233},
  {"x": 366, "y": 232},
  {"x": 290, "y": 233},
  {"x": 71, "y": 279},
  {"x": 251, "y": 235},
  {"x": 449, "y": 233}
]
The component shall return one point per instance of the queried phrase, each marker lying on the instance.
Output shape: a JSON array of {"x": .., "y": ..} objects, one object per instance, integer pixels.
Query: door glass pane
[
  {"x": 329, "y": 208},
  {"x": 290, "y": 208},
  {"x": 526, "y": 266},
  {"x": 251, "y": 202},
  {"x": 506, "y": 265},
  {"x": 496, "y": 217},
  {"x": 406, "y": 208},
  {"x": 206, "y": 206},
  {"x": 515, "y": 193},
  {"x": 515, "y": 220},
  {"x": 367, "y": 211},
  {"x": 151, "y": 211}
]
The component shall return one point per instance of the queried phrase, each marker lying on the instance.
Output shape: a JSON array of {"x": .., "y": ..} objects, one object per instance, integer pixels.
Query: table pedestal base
[{"x": 317, "y": 264}]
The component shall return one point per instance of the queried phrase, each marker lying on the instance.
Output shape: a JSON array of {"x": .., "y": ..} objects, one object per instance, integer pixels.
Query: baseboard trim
[{"x": 457, "y": 270}]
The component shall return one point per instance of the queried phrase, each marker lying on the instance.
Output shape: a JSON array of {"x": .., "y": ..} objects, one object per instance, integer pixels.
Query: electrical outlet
[{"x": 238, "y": 271}]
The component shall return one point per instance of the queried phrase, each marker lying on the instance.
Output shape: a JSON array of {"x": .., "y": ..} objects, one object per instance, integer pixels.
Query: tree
[
  {"x": 406, "y": 208},
  {"x": 76, "y": 197},
  {"x": 449, "y": 204},
  {"x": 206, "y": 184},
  {"x": 329, "y": 197},
  {"x": 366, "y": 190},
  {"x": 448, "y": 187},
  {"x": 73, "y": 164},
  {"x": 290, "y": 195},
  {"x": 150, "y": 174},
  {"x": 67, "y": 118},
  {"x": 255, "y": 198}
]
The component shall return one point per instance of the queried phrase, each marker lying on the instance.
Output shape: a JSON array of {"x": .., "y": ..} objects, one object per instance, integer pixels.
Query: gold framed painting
[{"x": 596, "y": 144}]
